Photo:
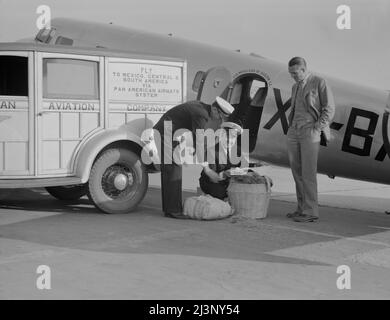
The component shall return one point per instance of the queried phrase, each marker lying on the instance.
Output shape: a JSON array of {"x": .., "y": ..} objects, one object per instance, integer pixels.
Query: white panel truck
[{"x": 71, "y": 120}]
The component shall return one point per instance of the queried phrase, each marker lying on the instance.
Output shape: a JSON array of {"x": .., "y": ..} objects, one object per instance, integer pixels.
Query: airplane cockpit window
[
  {"x": 13, "y": 76},
  {"x": 64, "y": 41},
  {"x": 70, "y": 79}
]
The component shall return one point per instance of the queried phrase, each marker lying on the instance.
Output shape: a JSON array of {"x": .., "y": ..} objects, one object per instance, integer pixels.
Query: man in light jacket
[{"x": 312, "y": 111}]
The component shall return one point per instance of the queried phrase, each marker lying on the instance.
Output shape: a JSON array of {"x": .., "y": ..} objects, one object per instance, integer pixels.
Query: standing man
[
  {"x": 312, "y": 111},
  {"x": 191, "y": 115}
]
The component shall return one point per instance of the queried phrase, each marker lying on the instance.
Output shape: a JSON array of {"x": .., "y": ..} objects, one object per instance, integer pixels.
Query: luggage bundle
[
  {"x": 249, "y": 195},
  {"x": 206, "y": 207}
]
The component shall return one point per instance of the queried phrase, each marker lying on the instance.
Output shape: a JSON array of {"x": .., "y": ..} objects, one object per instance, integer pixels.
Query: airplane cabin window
[
  {"x": 70, "y": 79},
  {"x": 256, "y": 84},
  {"x": 236, "y": 94},
  {"x": 13, "y": 76}
]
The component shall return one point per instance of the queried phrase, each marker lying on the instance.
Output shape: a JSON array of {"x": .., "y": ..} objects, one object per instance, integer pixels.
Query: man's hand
[
  {"x": 317, "y": 126},
  {"x": 227, "y": 174},
  {"x": 213, "y": 176}
]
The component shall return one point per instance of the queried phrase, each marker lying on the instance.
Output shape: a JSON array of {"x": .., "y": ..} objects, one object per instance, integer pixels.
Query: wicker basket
[{"x": 250, "y": 200}]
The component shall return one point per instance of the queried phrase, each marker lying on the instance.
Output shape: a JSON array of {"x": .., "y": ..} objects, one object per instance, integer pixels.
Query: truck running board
[{"x": 38, "y": 182}]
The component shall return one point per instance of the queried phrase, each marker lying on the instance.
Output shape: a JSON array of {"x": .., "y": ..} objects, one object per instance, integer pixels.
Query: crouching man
[{"x": 215, "y": 177}]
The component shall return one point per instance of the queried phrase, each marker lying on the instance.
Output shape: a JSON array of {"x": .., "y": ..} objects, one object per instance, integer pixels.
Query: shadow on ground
[{"x": 79, "y": 225}]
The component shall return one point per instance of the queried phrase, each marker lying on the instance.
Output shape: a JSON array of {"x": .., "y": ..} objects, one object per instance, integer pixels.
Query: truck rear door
[{"x": 17, "y": 130}]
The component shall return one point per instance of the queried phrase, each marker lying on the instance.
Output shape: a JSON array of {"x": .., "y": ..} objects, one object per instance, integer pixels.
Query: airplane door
[
  {"x": 214, "y": 83},
  {"x": 16, "y": 114},
  {"x": 69, "y": 107}
]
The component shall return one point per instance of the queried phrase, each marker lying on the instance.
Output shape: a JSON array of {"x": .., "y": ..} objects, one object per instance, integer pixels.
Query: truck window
[
  {"x": 70, "y": 79},
  {"x": 13, "y": 76}
]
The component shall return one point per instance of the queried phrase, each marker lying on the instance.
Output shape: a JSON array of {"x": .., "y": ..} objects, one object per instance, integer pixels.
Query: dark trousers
[
  {"x": 171, "y": 181},
  {"x": 171, "y": 185}
]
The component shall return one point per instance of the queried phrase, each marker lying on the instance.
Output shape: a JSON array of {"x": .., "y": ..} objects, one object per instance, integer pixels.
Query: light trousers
[{"x": 303, "y": 146}]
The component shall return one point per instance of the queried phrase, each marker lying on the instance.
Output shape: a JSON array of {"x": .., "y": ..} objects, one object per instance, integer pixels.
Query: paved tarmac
[{"x": 143, "y": 255}]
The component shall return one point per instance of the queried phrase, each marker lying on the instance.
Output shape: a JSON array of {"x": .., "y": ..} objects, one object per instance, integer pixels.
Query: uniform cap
[
  {"x": 225, "y": 106},
  {"x": 232, "y": 125}
]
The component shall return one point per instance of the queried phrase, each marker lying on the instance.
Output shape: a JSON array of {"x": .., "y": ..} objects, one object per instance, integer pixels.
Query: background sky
[{"x": 277, "y": 29}]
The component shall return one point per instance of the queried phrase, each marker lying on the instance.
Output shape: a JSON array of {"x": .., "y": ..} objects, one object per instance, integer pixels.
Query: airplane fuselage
[{"x": 357, "y": 148}]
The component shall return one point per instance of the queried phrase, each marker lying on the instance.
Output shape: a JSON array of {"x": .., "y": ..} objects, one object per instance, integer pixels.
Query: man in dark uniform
[{"x": 191, "y": 116}]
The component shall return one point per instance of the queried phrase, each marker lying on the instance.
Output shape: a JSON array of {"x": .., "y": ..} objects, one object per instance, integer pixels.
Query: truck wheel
[
  {"x": 118, "y": 181},
  {"x": 68, "y": 193}
]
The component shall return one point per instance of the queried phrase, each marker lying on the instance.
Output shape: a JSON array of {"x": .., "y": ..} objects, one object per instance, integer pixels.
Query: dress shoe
[
  {"x": 305, "y": 218},
  {"x": 175, "y": 215},
  {"x": 293, "y": 214}
]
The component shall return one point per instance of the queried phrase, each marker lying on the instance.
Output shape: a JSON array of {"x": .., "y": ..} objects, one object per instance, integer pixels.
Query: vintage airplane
[{"x": 71, "y": 138}]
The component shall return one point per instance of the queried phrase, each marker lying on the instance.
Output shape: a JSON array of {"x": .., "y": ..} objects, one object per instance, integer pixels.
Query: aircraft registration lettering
[
  {"x": 352, "y": 128},
  {"x": 366, "y": 134},
  {"x": 281, "y": 113}
]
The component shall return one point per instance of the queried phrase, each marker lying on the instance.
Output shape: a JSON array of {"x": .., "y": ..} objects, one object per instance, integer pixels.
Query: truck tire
[
  {"x": 118, "y": 181},
  {"x": 68, "y": 193}
]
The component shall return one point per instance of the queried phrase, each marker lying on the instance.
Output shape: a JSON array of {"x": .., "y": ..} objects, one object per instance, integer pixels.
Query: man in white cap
[
  {"x": 215, "y": 177},
  {"x": 191, "y": 116}
]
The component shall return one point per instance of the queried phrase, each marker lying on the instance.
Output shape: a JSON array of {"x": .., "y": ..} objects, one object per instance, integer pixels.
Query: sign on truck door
[{"x": 143, "y": 89}]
